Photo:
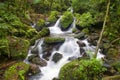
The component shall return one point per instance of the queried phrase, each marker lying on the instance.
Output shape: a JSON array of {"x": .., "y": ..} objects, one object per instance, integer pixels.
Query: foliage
[
  {"x": 82, "y": 70},
  {"x": 53, "y": 16},
  {"x": 44, "y": 32},
  {"x": 17, "y": 71},
  {"x": 4, "y": 47},
  {"x": 66, "y": 20},
  {"x": 116, "y": 65},
  {"x": 85, "y": 20},
  {"x": 40, "y": 22},
  {"x": 18, "y": 47},
  {"x": 50, "y": 40}
]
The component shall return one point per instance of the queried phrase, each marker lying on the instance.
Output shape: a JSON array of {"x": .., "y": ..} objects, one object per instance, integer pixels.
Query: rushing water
[{"x": 68, "y": 49}]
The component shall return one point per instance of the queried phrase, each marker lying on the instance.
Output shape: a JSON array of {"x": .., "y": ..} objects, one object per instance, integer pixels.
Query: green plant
[
  {"x": 17, "y": 71},
  {"x": 82, "y": 70}
]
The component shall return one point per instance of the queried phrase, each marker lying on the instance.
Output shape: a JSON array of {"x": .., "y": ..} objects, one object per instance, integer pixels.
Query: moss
[
  {"x": 4, "y": 47},
  {"x": 53, "y": 16},
  {"x": 116, "y": 65},
  {"x": 18, "y": 47},
  {"x": 40, "y": 24},
  {"x": 82, "y": 70},
  {"x": 85, "y": 30},
  {"x": 31, "y": 33},
  {"x": 42, "y": 33},
  {"x": 17, "y": 71},
  {"x": 66, "y": 20},
  {"x": 50, "y": 40}
]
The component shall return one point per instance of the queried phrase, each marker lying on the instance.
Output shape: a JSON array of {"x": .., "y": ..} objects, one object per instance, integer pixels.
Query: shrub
[{"x": 82, "y": 70}]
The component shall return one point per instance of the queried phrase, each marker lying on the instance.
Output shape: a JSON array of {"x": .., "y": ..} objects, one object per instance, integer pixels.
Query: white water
[{"x": 68, "y": 49}]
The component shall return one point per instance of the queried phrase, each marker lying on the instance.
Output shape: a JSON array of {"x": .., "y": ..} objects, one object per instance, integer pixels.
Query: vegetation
[
  {"x": 50, "y": 40},
  {"x": 17, "y": 71},
  {"x": 82, "y": 70},
  {"x": 16, "y": 34},
  {"x": 66, "y": 20}
]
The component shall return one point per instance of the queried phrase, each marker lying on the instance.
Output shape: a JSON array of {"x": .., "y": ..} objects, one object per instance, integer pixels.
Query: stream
[{"x": 69, "y": 50}]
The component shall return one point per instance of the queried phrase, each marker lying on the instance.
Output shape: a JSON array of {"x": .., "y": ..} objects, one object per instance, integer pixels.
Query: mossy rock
[
  {"x": 44, "y": 32},
  {"x": 40, "y": 24},
  {"x": 86, "y": 31},
  {"x": 82, "y": 70},
  {"x": 17, "y": 71},
  {"x": 51, "y": 40},
  {"x": 31, "y": 33},
  {"x": 66, "y": 20},
  {"x": 18, "y": 47},
  {"x": 53, "y": 16}
]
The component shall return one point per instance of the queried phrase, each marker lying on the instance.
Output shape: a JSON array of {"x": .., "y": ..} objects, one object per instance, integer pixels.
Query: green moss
[
  {"x": 66, "y": 20},
  {"x": 17, "y": 71},
  {"x": 85, "y": 30},
  {"x": 50, "y": 40},
  {"x": 40, "y": 23},
  {"x": 4, "y": 47},
  {"x": 53, "y": 16},
  {"x": 31, "y": 33},
  {"x": 42, "y": 33},
  {"x": 82, "y": 70},
  {"x": 18, "y": 47}
]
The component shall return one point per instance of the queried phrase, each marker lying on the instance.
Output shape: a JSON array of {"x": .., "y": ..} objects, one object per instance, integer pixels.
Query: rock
[
  {"x": 50, "y": 40},
  {"x": 35, "y": 50},
  {"x": 80, "y": 36},
  {"x": 40, "y": 24},
  {"x": 81, "y": 44},
  {"x": 56, "y": 57},
  {"x": 93, "y": 40},
  {"x": 35, "y": 59},
  {"x": 66, "y": 20},
  {"x": 46, "y": 55},
  {"x": 34, "y": 69},
  {"x": 72, "y": 58}
]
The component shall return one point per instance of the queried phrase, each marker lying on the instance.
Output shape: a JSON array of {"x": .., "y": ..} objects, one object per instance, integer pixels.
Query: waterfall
[{"x": 68, "y": 50}]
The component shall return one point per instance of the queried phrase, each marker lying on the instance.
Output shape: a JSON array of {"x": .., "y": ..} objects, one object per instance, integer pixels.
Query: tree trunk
[{"x": 101, "y": 34}]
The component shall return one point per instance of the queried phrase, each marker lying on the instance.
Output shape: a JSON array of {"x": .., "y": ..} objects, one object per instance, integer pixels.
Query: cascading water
[{"x": 69, "y": 50}]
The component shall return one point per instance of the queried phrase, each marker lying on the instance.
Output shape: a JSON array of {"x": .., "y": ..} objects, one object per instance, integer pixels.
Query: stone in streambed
[
  {"x": 50, "y": 40},
  {"x": 34, "y": 69},
  {"x": 35, "y": 59},
  {"x": 80, "y": 36},
  {"x": 57, "y": 57},
  {"x": 81, "y": 44}
]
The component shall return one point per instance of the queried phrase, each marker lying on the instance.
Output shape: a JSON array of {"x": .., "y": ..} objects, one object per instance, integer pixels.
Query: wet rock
[
  {"x": 46, "y": 55},
  {"x": 81, "y": 44},
  {"x": 72, "y": 58},
  {"x": 34, "y": 69},
  {"x": 93, "y": 40},
  {"x": 35, "y": 59},
  {"x": 80, "y": 36},
  {"x": 35, "y": 50},
  {"x": 56, "y": 57}
]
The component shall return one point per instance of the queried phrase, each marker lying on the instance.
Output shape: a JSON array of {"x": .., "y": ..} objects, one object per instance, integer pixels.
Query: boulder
[
  {"x": 35, "y": 59},
  {"x": 35, "y": 50},
  {"x": 56, "y": 57},
  {"x": 34, "y": 69},
  {"x": 81, "y": 44},
  {"x": 80, "y": 36}
]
